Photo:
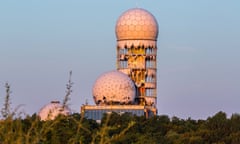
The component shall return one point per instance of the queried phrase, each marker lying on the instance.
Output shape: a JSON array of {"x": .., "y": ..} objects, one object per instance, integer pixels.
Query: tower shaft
[{"x": 137, "y": 59}]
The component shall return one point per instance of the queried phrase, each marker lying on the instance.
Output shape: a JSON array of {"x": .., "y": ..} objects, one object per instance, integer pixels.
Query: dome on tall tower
[
  {"x": 136, "y": 24},
  {"x": 114, "y": 87}
]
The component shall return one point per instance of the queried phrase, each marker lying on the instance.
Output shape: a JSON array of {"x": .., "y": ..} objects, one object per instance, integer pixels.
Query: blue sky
[{"x": 198, "y": 52}]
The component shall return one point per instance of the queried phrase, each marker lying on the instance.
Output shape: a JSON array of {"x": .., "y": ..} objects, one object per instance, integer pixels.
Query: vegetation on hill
[
  {"x": 115, "y": 128},
  {"x": 119, "y": 129}
]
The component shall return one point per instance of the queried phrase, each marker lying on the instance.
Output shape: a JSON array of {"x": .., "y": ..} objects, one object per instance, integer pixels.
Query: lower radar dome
[
  {"x": 52, "y": 110},
  {"x": 113, "y": 88}
]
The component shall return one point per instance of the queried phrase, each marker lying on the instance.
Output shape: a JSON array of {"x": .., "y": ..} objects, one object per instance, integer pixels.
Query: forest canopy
[
  {"x": 114, "y": 128},
  {"x": 118, "y": 129}
]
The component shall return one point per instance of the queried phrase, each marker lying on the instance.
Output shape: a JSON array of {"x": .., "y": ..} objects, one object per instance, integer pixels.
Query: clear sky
[{"x": 198, "y": 52}]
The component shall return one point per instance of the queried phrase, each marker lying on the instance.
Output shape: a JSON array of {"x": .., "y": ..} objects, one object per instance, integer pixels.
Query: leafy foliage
[
  {"x": 120, "y": 129},
  {"x": 115, "y": 128}
]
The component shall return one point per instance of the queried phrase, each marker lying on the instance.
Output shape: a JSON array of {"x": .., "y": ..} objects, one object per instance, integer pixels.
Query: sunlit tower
[
  {"x": 137, "y": 32},
  {"x": 132, "y": 88}
]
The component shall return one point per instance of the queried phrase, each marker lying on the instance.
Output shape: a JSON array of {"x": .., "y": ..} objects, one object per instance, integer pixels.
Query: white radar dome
[
  {"x": 136, "y": 24},
  {"x": 114, "y": 87},
  {"x": 52, "y": 110}
]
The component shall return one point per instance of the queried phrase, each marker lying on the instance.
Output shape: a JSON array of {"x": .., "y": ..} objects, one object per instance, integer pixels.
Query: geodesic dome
[
  {"x": 52, "y": 110},
  {"x": 114, "y": 87},
  {"x": 136, "y": 24}
]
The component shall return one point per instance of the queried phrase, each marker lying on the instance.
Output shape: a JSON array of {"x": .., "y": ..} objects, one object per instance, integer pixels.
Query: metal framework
[{"x": 139, "y": 62}]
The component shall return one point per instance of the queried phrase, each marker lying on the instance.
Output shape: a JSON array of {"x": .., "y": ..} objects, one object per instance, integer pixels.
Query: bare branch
[{"x": 68, "y": 91}]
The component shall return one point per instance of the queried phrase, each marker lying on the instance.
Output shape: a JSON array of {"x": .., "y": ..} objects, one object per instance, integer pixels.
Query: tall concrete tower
[
  {"x": 133, "y": 87},
  {"x": 137, "y": 32}
]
